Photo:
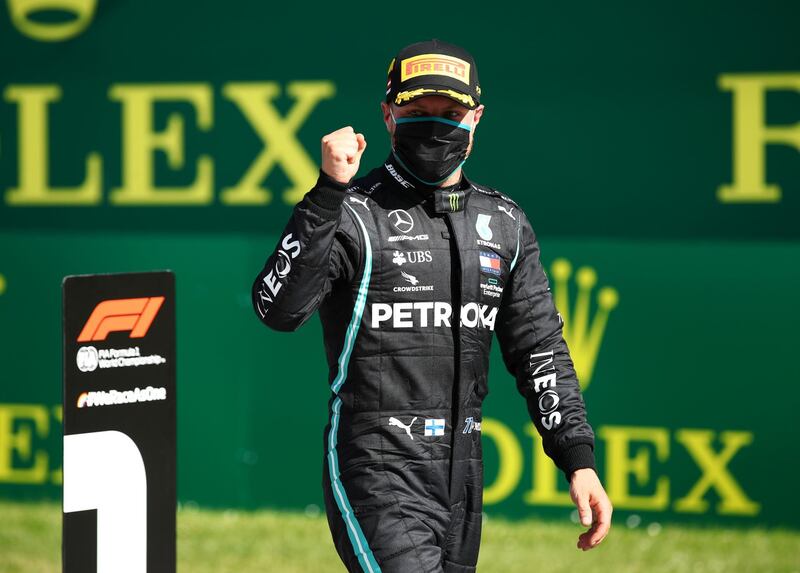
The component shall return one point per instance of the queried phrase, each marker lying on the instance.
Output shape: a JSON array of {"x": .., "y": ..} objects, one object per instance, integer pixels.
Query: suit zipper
[{"x": 455, "y": 300}]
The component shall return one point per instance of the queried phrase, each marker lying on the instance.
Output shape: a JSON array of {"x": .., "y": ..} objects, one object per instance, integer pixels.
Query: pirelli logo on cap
[{"x": 434, "y": 64}]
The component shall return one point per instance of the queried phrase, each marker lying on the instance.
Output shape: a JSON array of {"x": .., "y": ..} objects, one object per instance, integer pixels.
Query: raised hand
[{"x": 341, "y": 153}]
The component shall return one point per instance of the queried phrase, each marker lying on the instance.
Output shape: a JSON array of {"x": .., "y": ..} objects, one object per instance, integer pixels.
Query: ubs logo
[{"x": 400, "y": 257}]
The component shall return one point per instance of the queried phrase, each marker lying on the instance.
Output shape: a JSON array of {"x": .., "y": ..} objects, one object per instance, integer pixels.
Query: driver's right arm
[{"x": 316, "y": 247}]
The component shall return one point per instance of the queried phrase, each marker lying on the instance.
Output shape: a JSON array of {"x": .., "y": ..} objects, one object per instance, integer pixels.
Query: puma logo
[
  {"x": 357, "y": 200},
  {"x": 503, "y": 209},
  {"x": 395, "y": 422}
]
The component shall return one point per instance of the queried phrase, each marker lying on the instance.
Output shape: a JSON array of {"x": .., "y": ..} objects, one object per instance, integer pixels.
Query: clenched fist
[{"x": 341, "y": 153}]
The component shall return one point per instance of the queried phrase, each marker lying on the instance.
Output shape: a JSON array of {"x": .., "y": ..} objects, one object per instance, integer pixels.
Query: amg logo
[{"x": 429, "y": 313}]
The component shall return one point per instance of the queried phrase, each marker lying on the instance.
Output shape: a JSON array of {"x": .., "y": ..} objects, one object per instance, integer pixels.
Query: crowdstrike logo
[
  {"x": 431, "y": 314},
  {"x": 116, "y": 397},
  {"x": 410, "y": 278},
  {"x": 415, "y": 286}
]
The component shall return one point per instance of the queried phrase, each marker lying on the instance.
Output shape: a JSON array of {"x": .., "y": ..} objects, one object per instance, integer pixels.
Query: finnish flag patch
[{"x": 434, "y": 427}]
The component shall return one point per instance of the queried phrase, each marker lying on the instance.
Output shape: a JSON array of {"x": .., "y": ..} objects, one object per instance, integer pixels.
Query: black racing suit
[{"x": 389, "y": 265}]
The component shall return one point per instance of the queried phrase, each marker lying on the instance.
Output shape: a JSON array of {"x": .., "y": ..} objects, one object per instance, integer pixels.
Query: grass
[{"x": 243, "y": 542}]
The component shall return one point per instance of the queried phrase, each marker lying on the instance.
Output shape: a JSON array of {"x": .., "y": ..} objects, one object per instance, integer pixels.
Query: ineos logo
[
  {"x": 280, "y": 269},
  {"x": 401, "y": 220}
]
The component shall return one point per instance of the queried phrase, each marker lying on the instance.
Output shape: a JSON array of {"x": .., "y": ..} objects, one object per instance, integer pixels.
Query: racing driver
[{"x": 413, "y": 268}]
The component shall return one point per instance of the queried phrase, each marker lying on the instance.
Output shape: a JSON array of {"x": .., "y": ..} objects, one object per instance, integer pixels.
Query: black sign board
[{"x": 119, "y": 423}]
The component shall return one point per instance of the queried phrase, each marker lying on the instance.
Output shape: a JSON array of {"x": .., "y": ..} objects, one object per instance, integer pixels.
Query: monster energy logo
[{"x": 453, "y": 201}]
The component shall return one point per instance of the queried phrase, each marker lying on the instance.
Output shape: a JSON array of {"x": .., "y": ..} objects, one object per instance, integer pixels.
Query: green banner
[
  {"x": 686, "y": 370},
  {"x": 143, "y": 115}
]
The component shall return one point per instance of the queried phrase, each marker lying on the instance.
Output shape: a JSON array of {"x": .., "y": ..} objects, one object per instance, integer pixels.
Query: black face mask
[{"x": 430, "y": 148}]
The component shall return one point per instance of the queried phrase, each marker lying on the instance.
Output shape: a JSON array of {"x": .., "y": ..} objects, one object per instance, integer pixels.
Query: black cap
[{"x": 433, "y": 67}]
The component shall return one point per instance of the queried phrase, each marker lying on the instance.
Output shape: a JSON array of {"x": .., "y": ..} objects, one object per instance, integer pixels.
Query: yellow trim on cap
[{"x": 408, "y": 95}]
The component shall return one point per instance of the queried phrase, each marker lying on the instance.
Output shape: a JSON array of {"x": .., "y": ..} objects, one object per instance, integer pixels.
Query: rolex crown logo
[
  {"x": 453, "y": 201},
  {"x": 24, "y": 15},
  {"x": 583, "y": 338},
  {"x": 2, "y": 284}
]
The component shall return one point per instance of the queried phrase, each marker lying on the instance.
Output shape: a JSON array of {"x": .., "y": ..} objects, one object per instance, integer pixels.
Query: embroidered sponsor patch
[
  {"x": 434, "y": 427},
  {"x": 490, "y": 262}
]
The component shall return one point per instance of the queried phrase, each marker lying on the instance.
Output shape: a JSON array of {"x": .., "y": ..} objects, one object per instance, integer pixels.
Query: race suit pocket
[
  {"x": 384, "y": 529},
  {"x": 479, "y": 378}
]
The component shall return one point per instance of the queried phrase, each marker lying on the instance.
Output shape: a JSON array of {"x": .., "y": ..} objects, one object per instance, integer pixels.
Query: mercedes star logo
[{"x": 401, "y": 220}]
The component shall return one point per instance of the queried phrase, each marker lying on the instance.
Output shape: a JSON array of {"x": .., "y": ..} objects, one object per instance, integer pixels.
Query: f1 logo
[{"x": 123, "y": 314}]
